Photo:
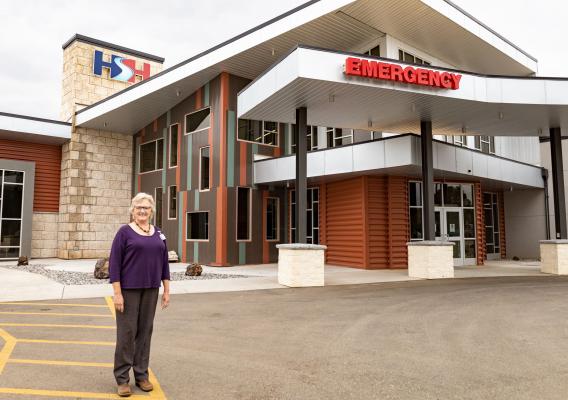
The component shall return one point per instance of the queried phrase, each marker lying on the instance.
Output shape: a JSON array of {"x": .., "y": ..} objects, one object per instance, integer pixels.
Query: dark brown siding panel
[
  {"x": 47, "y": 160},
  {"x": 345, "y": 223}
]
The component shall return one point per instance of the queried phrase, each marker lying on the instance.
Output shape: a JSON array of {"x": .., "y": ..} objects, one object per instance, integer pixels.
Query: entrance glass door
[{"x": 449, "y": 226}]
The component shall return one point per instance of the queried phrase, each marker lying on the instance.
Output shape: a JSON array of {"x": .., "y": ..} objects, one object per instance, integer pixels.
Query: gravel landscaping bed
[{"x": 87, "y": 278}]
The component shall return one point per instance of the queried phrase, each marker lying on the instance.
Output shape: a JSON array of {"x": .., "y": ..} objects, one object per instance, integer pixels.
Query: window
[
  {"x": 415, "y": 202},
  {"x": 198, "y": 120},
  {"x": 338, "y": 137},
  {"x": 375, "y": 51},
  {"x": 410, "y": 58},
  {"x": 312, "y": 216},
  {"x": 11, "y": 201},
  {"x": 311, "y": 137},
  {"x": 261, "y": 132},
  {"x": 485, "y": 143},
  {"x": 151, "y": 156},
  {"x": 172, "y": 202},
  {"x": 243, "y": 213},
  {"x": 204, "y": 169},
  {"x": 272, "y": 219},
  {"x": 174, "y": 129},
  {"x": 158, "y": 201},
  {"x": 198, "y": 225},
  {"x": 457, "y": 140}
]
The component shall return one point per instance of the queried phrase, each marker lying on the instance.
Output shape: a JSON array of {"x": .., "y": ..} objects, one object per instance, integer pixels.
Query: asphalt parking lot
[{"x": 489, "y": 338}]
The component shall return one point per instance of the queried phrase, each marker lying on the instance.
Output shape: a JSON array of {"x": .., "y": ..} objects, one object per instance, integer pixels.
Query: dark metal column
[
  {"x": 558, "y": 183},
  {"x": 301, "y": 173},
  {"x": 427, "y": 180}
]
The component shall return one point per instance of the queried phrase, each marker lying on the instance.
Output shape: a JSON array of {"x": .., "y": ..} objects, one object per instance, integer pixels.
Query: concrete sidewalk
[{"x": 20, "y": 286}]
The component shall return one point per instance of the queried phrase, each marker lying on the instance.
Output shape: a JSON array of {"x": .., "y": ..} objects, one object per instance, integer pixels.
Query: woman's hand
[
  {"x": 118, "y": 302},
  {"x": 165, "y": 300}
]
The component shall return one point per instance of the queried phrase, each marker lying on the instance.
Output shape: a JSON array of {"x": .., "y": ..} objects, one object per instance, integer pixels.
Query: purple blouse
[{"x": 138, "y": 262}]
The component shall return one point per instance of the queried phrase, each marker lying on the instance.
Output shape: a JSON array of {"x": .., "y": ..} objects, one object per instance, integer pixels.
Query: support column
[
  {"x": 427, "y": 180},
  {"x": 301, "y": 173},
  {"x": 558, "y": 183},
  {"x": 554, "y": 253},
  {"x": 429, "y": 259}
]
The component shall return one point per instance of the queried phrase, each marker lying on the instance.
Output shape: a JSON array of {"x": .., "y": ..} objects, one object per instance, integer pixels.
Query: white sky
[{"x": 32, "y": 32}]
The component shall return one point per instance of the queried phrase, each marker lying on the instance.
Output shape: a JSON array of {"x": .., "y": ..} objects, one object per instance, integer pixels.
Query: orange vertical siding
[
  {"x": 480, "y": 234},
  {"x": 502, "y": 237},
  {"x": 377, "y": 214},
  {"x": 398, "y": 219}
]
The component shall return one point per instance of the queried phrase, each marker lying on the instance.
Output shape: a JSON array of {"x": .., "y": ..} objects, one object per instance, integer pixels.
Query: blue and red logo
[{"x": 121, "y": 69}]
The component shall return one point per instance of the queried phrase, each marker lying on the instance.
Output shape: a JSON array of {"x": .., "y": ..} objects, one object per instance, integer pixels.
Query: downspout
[{"x": 544, "y": 174}]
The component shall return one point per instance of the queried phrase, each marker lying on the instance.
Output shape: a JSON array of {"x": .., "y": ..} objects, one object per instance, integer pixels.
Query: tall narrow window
[
  {"x": 204, "y": 169},
  {"x": 197, "y": 225},
  {"x": 174, "y": 129},
  {"x": 485, "y": 143},
  {"x": 272, "y": 218},
  {"x": 243, "y": 213},
  {"x": 172, "y": 201},
  {"x": 158, "y": 201}
]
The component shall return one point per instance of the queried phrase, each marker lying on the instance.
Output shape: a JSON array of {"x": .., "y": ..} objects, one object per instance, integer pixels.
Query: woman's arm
[
  {"x": 166, "y": 295},
  {"x": 118, "y": 299}
]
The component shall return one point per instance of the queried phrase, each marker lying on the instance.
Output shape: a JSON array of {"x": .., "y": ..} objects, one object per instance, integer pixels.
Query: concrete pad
[{"x": 20, "y": 285}]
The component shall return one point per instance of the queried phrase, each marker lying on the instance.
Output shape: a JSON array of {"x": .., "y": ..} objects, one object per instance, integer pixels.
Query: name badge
[{"x": 162, "y": 236}]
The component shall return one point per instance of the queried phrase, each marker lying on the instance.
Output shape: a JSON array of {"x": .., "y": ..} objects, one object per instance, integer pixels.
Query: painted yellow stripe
[
  {"x": 54, "y": 314},
  {"x": 9, "y": 344},
  {"x": 157, "y": 393},
  {"x": 59, "y": 393},
  {"x": 66, "y": 342},
  {"x": 58, "y": 362},
  {"x": 60, "y": 326},
  {"x": 54, "y": 304},
  {"x": 110, "y": 305}
]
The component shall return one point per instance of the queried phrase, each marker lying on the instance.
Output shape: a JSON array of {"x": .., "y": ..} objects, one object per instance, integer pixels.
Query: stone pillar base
[
  {"x": 554, "y": 257},
  {"x": 430, "y": 259},
  {"x": 301, "y": 265}
]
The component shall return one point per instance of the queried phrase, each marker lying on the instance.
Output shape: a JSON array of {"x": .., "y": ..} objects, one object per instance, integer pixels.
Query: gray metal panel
[
  {"x": 480, "y": 167},
  {"x": 397, "y": 152},
  {"x": 369, "y": 156},
  {"x": 446, "y": 157},
  {"x": 464, "y": 161},
  {"x": 316, "y": 164}
]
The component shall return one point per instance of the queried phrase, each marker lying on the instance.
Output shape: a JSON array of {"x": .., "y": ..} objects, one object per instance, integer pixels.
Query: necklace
[{"x": 146, "y": 231}]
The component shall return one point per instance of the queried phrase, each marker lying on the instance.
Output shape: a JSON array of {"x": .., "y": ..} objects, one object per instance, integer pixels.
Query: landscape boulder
[
  {"x": 194, "y": 269},
  {"x": 101, "y": 268},
  {"x": 172, "y": 256},
  {"x": 22, "y": 261}
]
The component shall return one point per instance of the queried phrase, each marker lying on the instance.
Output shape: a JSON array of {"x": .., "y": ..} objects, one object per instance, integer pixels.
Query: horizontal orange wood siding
[
  {"x": 399, "y": 224},
  {"x": 345, "y": 223},
  {"x": 47, "y": 160}
]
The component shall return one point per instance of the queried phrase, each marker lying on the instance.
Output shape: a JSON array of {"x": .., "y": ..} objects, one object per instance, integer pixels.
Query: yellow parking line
[
  {"x": 57, "y": 362},
  {"x": 60, "y": 326},
  {"x": 54, "y": 304},
  {"x": 58, "y": 393},
  {"x": 9, "y": 344},
  {"x": 110, "y": 305},
  {"x": 54, "y": 314},
  {"x": 66, "y": 342}
]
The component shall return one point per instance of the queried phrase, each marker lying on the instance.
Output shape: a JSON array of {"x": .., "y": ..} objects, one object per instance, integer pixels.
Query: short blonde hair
[{"x": 139, "y": 198}]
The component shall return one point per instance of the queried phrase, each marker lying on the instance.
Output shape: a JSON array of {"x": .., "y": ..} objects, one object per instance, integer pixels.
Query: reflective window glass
[
  {"x": 12, "y": 202},
  {"x": 469, "y": 247},
  {"x": 467, "y": 194},
  {"x": 10, "y": 233},
  {"x": 452, "y": 195},
  {"x": 13, "y": 177},
  {"x": 469, "y": 223},
  {"x": 416, "y": 223}
]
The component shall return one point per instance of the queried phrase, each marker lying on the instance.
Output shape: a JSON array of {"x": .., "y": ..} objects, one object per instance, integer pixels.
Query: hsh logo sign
[{"x": 121, "y": 69}]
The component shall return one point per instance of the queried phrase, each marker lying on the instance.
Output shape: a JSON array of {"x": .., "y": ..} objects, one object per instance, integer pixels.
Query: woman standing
[{"x": 138, "y": 262}]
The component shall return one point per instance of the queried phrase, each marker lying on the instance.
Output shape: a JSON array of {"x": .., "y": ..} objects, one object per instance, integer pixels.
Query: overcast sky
[{"x": 32, "y": 32}]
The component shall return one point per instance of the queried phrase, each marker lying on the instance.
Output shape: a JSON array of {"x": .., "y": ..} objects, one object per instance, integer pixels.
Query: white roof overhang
[
  {"x": 437, "y": 26},
  {"x": 483, "y": 105},
  {"x": 30, "y": 129}
]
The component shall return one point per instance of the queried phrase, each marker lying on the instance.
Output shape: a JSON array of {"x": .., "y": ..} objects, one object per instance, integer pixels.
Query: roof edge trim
[{"x": 51, "y": 121}]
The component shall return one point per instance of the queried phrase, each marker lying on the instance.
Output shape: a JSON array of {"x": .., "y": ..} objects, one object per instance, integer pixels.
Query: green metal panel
[
  {"x": 180, "y": 222},
  {"x": 196, "y": 198},
  {"x": 206, "y": 95},
  {"x": 189, "y": 160},
  {"x": 231, "y": 148},
  {"x": 195, "y": 252},
  {"x": 164, "y": 159},
  {"x": 254, "y": 151},
  {"x": 137, "y": 166},
  {"x": 242, "y": 253}
]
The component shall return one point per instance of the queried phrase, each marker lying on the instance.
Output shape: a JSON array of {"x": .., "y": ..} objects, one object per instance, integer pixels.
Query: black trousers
[{"x": 133, "y": 334}]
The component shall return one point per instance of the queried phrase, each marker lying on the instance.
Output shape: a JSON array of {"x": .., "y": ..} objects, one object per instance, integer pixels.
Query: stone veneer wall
[
  {"x": 81, "y": 87},
  {"x": 44, "y": 234},
  {"x": 96, "y": 178}
]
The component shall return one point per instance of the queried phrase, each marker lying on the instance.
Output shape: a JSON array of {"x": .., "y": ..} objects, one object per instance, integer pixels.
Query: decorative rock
[
  {"x": 194, "y": 269},
  {"x": 101, "y": 268},
  {"x": 22, "y": 261},
  {"x": 172, "y": 256}
]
